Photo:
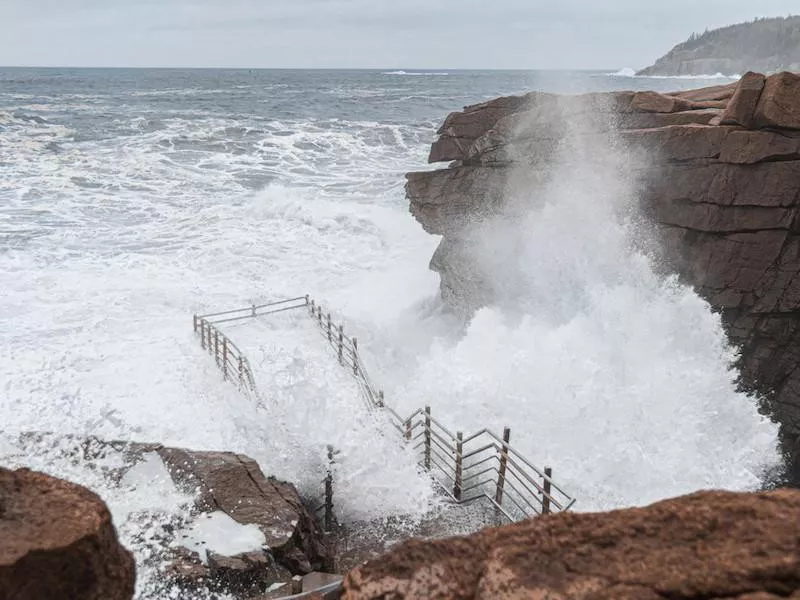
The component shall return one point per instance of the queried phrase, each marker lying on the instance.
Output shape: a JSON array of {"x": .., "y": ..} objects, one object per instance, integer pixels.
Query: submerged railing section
[
  {"x": 233, "y": 364},
  {"x": 230, "y": 360},
  {"x": 470, "y": 467}
]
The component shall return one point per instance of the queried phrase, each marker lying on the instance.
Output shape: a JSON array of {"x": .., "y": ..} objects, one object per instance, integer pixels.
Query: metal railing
[
  {"x": 484, "y": 466},
  {"x": 468, "y": 468},
  {"x": 322, "y": 506},
  {"x": 233, "y": 364},
  {"x": 481, "y": 465},
  {"x": 230, "y": 360}
]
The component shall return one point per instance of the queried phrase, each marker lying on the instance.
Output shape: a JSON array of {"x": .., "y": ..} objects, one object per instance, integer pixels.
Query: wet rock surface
[
  {"x": 721, "y": 181},
  {"x": 57, "y": 540},
  {"x": 241, "y": 533},
  {"x": 234, "y": 484},
  {"x": 709, "y": 545}
]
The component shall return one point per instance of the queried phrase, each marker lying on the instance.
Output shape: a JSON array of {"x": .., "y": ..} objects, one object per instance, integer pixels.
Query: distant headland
[{"x": 764, "y": 45}]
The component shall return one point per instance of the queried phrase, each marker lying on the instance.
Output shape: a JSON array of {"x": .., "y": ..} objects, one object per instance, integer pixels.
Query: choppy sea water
[{"x": 131, "y": 199}]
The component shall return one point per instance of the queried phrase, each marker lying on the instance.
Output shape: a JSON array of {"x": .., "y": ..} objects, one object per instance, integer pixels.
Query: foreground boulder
[
  {"x": 57, "y": 541},
  {"x": 707, "y": 545}
]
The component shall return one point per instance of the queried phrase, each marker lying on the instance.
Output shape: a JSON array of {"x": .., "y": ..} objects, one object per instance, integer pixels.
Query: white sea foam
[
  {"x": 628, "y": 72},
  {"x": 219, "y": 534},
  {"x": 417, "y": 73}
]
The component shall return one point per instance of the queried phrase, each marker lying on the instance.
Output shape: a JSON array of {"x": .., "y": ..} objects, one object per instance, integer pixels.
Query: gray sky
[{"x": 524, "y": 34}]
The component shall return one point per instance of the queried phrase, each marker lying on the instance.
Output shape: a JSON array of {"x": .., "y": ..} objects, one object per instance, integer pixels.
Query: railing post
[
  {"x": 216, "y": 346},
  {"x": 194, "y": 323},
  {"x": 306, "y": 299},
  {"x": 381, "y": 403},
  {"x": 319, "y": 315},
  {"x": 330, "y": 328},
  {"x": 408, "y": 431},
  {"x": 225, "y": 358},
  {"x": 428, "y": 438},
  {"x": 313, "y": 307},
  {"x": 241, "y": 371},
  {"x": 341, "y": 344},
  {"x": 355, "y": 356},
  {"x": 203, "y": 335},
  {"x": 501, "y": 475},
  {"x": 329, "y": 492},
  {"x": 459, "y": 466},
  {"x": 252, "y": 310},
  {"x": 548, "y": 473}
]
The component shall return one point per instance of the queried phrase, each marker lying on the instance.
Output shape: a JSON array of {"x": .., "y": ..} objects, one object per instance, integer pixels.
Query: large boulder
[
  {"x": 234, "y": 484},
  {"x": 706, "y": 545},
  {"x": 57, "y": 541},
  {"x": 779, "y": 104},
  {"x": 742, "y": 107}
]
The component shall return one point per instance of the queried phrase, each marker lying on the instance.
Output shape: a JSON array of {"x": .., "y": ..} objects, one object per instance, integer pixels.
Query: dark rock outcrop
[
  {"x": 235, "y": 485},
  {"x": 57, "y": 541},
  {"x": 722, "y": 183},
  {"x": 461, "y": 129},
  {"x": 706, "y": 545}
]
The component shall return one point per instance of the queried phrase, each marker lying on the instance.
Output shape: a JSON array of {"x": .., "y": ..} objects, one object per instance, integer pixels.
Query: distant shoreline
[{"x": 763, "y": 45}]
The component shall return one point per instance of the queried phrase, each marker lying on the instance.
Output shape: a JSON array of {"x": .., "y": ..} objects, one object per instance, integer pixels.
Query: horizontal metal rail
[
  {"x": 253, "y": 309},
  {"x": 520, "y": 488}
]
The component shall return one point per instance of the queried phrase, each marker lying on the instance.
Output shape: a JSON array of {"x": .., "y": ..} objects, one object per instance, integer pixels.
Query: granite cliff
[
  {"x": 766, "y": 45},
  {"x": 717, "y": 178}
]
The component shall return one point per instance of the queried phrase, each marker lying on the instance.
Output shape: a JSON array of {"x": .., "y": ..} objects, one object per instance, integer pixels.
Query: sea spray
[{"x": 619, "y": 378}]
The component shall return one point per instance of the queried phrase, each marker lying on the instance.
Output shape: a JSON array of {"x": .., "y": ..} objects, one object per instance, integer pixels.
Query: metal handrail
[
  {"x": 227, "y": 355},
  {"x": 429, "y": 434},
  {"x": 253, "y": 308}
]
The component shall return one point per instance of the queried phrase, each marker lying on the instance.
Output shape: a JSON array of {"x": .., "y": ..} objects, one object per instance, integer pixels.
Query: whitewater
[{"x": 130, "y": 200}]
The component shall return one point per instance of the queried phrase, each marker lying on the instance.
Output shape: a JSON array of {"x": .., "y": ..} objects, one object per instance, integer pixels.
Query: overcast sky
[{"x": 478, "y": 34}]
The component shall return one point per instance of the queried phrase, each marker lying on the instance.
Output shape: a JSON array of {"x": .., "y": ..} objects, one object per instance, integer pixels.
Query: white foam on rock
[
  {"x": 218, "y": 533},
  {"x": 148, "y": 487}
]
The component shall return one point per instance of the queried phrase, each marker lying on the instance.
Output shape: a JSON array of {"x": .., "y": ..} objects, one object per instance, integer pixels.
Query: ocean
[{"x": 132, "y": 199}]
